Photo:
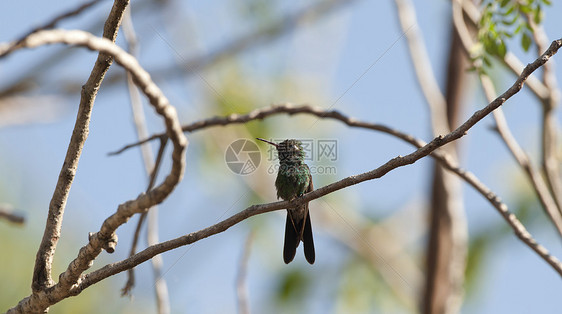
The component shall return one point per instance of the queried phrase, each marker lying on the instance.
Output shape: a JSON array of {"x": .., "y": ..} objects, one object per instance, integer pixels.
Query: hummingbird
[{"x": 294, "y": 180}]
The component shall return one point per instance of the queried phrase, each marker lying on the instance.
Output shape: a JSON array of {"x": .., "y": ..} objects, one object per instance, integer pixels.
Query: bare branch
[
  {"x": 151, "y": 169},
  {"x": 40, "y": 300},
  {"x": 549, "y": 144},
  {"x": 241, "y": 288},
  {"x": 448, "y": 236},
  {"x": 424, "y": 150},
  {"x": 422, "y": 66},
  {"x": 7, "y": 212},
  {"x": 131, "y": 273},
  {"x": 45, "y": 254},
  {"x": 522, "y": 159}
]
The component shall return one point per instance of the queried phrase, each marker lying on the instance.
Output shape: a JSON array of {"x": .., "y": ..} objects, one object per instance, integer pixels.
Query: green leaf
[
  {"x": 526, "y": 41},
  {"x": 525, "y": 9},
  {"x": 547, "y": 2},
  {"x": 538, "y": 15},
  {"x": 487, "y": 61},
  {"x": 501, "y": 49},
  {"x": 510, "y": 22},
  {"x": 504, "y": 3}
]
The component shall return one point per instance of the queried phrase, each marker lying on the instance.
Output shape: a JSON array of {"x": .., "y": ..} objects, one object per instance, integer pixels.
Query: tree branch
[
  {"x": 7, "y": 213},
  {"x": 151, "y": 169},
  {"x": 550, "y": 206},
  {"x": 291, "y": 109},
  {"x": 549, "y": 143},
  {"x": 448, "y": 235},
  {"x": 522, "y": 159},
  {"x": 424, "y": 150},
  {"x": 45, "y": 254},
  {"x": 106, "y": 238},
  {"x": 241, "y": 287}
]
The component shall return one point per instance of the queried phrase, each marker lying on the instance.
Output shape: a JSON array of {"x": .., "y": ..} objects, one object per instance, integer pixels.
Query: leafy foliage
[{"x": 502, "y": 20}]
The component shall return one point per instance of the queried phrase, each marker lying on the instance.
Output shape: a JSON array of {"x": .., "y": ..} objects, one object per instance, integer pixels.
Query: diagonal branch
[
  {"x": 106, "y": 238},
  {"x": 424, "y": 150}
]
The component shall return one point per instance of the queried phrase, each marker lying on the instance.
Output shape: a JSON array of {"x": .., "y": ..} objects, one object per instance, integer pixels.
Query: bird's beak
[{"x": 261, "y": 139}]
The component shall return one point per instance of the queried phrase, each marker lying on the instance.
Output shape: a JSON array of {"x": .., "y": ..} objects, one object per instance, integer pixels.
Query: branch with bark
[
  {"x": 425, "y": 149},
  {"x": 546, "y": 194},
  {"x": 43, "y": 296}
]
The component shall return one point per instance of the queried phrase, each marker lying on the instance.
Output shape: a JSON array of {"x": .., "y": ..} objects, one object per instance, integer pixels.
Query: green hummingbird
[{"x": 294, "y": 180}]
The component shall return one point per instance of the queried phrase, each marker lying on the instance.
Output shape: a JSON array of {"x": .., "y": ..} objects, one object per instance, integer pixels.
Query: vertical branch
[
  {"x": 549, "y": 145},
  {"x": 44, "y": 259},
  {"x": 447, "y": 244},
  {"x": 241, "y": 288},
  {"x": 161, "y": 289},
  {"x": 447, "y": 247}
]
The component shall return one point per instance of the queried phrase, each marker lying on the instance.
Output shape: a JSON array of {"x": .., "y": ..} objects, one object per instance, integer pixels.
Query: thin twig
[
  {"x": 161, "y": 289},
  {"x": 241, "y": 287},
  {"x": 7, "y": 212},
  {"x": 106, "y": 238}
]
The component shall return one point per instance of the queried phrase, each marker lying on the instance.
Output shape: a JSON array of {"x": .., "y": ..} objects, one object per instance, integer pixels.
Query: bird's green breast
[{"x": 292, "y": 180}]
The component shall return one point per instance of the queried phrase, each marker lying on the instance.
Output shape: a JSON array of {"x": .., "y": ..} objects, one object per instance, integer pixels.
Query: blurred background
[{"x": 219, "y": 57}]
